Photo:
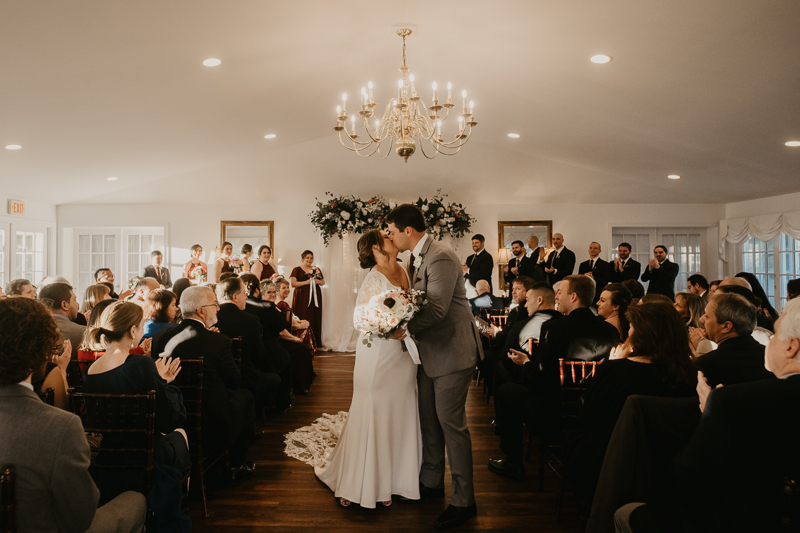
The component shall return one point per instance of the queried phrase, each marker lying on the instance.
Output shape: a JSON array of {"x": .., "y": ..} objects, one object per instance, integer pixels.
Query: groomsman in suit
[
  {"x": 480, "y": 264},
  {"x": 597, "y": 269},
  {"x": 661, "y": 273},
  {"x": 625, "y": 268},
  {"x": 518, "y": 265},
  {"x": 156, "y": 271},
  {"x": 535, "y": 268},
  {"x": 561, "y": 261}
]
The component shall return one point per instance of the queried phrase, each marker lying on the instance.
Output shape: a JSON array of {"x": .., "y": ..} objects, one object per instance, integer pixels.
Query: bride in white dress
[{"x": 378, "y": 452}]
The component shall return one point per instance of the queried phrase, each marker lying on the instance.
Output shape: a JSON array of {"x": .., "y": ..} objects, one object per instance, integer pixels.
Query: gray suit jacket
[
  {"x": 70, "y": 331},
  {"x": 49, "y": 450},
  {"x": 448, "y": 340}
]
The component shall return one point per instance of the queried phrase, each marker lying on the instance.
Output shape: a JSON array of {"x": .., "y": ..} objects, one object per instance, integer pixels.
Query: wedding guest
[
  {"x": 181, "y": 284},
  {"x": 655, "y": 299},
  {"x": 535, "y": 268},
  {"x": 518, "y": 264},
  {"x": 119, "y": 371},
  {"x": 244, "y": 256},
  {"x": 2, "y": 294},
  {"x": 793, "y": 288},
  {"x": 480, "y": 264},
  {"x": 765, "y": 307},
  {"x": 53, "y": 375},
  {"x": 484, "y": 298},
  {"x": 94, "y": 294},
  {"x": 307, "y": 281},
  {"x": 659, "y": 365},
  {"x": 104, "y": 275},
  {"x": 155, "y": 270},
  {"x": 54, "y": 491},
  {"x": 625, "y": 268},
  {"x": 691, "y": 307},
  {"x": 612, "y": 305},
  {"x": 262, "y": 267},
  {"x": 596, "y": 268},
  {"x": 698, "y": 284},
  {"x": 298, "y": 327},
  {"x": 195, "y": 270},
  {"x": 635, "y": 288},
  {"x": 661, "y": 273},
  {"x": 561, "y": 261},
  {"x": 729, "y": 321},
  {"x": 160, "y": 309},
  {"x": 64, "y": 308},
  {"x": 142, "y": 288},
  {"x": 228, "y": 408},
  {"x": 88, "y": 349},
  {"x": 741, "y": 286},
  {"x": 20, "y": 288},
  {"x": 302, "y": 356},
  {"x": 224, "y": 264},
  {"x": 712, "y": 287}
]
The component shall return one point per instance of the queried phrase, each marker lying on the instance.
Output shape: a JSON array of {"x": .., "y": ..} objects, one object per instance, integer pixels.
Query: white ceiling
[{"x": 705, "y": 89}]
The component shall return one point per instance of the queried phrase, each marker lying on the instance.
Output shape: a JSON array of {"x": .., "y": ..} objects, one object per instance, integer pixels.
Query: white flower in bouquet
[
  {"x": 424, "y": 208},
  {"x": 386, "y": 312},
  {"x": 345, "y": 215},
  {"x": 392, "y": 203},
  {"x": 440, "y": 210},
  {"x": 359, "y": 205},
  {"x": 364, "y": 212}
]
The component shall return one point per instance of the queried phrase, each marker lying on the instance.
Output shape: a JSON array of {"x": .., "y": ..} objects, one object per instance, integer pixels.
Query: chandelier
[{"x": 404, "y": 118}]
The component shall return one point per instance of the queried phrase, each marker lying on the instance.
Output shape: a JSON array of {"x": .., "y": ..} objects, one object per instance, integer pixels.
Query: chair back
[
  {"x": 573, "y": 376},
  {"x": 236, "y": 350},
  {"x": 48, "y": 396},
  {"x": 75, "y": 371},
  {"x": 121, "y": 429},
  {"x": 8, "y": 499},
  {"x": 190, "y": 383},
  {"x": 498, "y": 320}
]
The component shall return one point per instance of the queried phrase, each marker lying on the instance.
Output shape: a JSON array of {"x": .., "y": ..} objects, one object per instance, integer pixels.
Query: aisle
[{"x": 286, "y": 496}]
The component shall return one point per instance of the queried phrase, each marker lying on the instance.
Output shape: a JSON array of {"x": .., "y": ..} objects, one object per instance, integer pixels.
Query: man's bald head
[
  {"x": 741, "y": 282},
  {"x": 482, "y": 286}
]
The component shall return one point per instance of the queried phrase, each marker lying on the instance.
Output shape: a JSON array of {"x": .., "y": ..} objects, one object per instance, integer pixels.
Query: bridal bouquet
[
  {"x": 235, "y": 264},
  {"x": 198, "y": 274},
  {"x": 386, "y": 313}
]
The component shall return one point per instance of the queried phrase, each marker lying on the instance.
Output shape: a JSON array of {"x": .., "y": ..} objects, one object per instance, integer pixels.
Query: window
[
  {"x": 684, "y": 249},
  {"x": 774, "y": 263},
  {"x": 139, "y": 248},
  {"x": 30, "y": 256},
  {"x": 95, "y": 250},
  {"x": 789, "y": 265}
]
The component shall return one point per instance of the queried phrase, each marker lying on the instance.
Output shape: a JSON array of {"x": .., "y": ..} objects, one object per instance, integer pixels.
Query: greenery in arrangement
[{"x": 339, "y": 215}]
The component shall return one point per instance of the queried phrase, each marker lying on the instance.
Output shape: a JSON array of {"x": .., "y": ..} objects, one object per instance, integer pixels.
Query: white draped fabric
[
  {"x": 762, "y": 227},
  {"x": 343, "y": 277}
]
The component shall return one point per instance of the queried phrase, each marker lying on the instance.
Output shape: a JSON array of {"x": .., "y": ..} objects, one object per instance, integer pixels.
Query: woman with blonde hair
[
  {"x": 691, "y": 307},
  {"x": 94, "y": 294}
]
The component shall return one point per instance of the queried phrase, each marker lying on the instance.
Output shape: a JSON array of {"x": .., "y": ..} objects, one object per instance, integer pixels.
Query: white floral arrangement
[
  {"x": 443, "y": 218},
  {"x": 387, "y": 312}
]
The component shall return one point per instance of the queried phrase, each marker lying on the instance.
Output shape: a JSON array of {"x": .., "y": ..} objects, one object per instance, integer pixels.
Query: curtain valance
[{"x": 762, "y": 227}]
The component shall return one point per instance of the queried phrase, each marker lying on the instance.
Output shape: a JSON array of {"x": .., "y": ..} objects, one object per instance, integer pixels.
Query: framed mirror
[
  {"x": 520, "y": 230},
  {"x": 252, "y": 232}
]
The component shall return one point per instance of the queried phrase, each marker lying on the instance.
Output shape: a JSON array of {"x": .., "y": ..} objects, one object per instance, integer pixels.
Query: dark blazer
[
  {"x": 533, "y": 268},
  {"x": 735, "y": 360},
  {"x": 662, "y": 280},
  {"x": 164, "y": 278},
  {"x": 730, "y": 476},
  {"x": 523, "y": 264},
  {"x": 631, "y": 270},
  {"x": 601, "y": 274},
  {"x": 272, "y": 323},
  {"x": 233, "y": 322},
  {"x": 564, "y": 265},
  {"x": 480, "y": 267}
]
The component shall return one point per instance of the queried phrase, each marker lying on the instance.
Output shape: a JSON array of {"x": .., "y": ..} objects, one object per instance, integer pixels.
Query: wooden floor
[{"x": 286, "y": 496}]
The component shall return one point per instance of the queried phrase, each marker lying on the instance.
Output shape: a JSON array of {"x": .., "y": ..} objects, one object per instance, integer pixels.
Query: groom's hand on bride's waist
[{"x": 399, "y": 334}]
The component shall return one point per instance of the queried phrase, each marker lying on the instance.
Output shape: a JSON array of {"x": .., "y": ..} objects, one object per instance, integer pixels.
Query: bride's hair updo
[
  {"x": 365, "y": 256},
  {"x": 115, "y": 322}
]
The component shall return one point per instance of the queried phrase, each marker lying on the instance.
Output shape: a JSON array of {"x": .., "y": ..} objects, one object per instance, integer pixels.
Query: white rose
[
  {"x": 392, "y": 203},
  {"x": 360, "y": 205},
  {"x": 345, "y": 215},
  {"x": 363, "y": 211},
  {"x": 424, "y": 208},
  {"x": 440, "y": 210},
  {"x": 369, "y": 220}
]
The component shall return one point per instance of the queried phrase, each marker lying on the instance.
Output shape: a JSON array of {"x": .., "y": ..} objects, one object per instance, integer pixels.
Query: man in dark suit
[
  {"x": 597, "y": 269},
  {"x": 561, "y": 261},
  {"x": 233, "y": 321},
  {"x": 729, "y": 321},
  {"x": 661, "y": 273},
  {"x": 698, "y": 284},
  {"x": 580, "y": 335},
  {"x": 155, "y": 270},
  {"x": 625, "y": 268},
  {"x": 534, "y": 268},
  {"x": 730, "y": 477},
  {"x": 518, "y": 265},
  {"x": 228, "y": 408},
  {"x": 480, "y": 264}
]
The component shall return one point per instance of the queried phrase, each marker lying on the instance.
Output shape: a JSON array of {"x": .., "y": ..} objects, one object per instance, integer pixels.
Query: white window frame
[{"x": 771, "y": 271}]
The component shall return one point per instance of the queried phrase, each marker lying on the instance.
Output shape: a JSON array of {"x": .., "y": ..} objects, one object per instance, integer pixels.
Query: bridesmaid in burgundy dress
[
  {"x": 307, "y": 305},
  {"x": 262, "y": 269},
  {"x": 222, "y": 264}
]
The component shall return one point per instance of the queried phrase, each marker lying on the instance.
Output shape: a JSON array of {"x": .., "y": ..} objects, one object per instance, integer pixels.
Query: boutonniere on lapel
[{"x": 418, "y": 261}]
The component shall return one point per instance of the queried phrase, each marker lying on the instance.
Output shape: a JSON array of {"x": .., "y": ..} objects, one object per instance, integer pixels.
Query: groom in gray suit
[{"x": 449, "y": 348}]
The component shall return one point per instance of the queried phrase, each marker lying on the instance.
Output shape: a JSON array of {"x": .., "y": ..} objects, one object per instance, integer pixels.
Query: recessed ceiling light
[
  {"x": 270, "y": 136},
  {"x": 600, "y": 59},
  {"x": 790, "y": 143},
  {"x": 112, "y": 178},
  {"x": 212, "y": 62},
  {"x": 674, "y": 177},
  {"x": 514, "y": 135},
  {"x": 13, "y": 147}
]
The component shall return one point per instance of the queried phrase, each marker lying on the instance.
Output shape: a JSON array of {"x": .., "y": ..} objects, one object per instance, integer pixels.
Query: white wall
[
  {"x": 38, "y": 216},
  {"x": 763, "y": 206}
]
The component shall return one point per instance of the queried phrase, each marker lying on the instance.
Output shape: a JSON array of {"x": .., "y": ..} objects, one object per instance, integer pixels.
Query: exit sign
[{"x": 16, "y": 207}]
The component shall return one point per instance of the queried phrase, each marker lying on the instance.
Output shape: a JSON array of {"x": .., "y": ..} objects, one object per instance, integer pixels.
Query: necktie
[
  {"x": 411, "y": 268},
  {"x": 158, "y": 273},
  {"x": 592, "y": 267}
]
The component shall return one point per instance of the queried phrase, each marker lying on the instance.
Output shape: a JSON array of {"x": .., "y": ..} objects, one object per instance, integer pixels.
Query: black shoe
[
  {"x": 425, "y": 494},
  {"x": 455, "y": 516},
  {"x": 495, "y": 427},
  {"x": 244, "y": 472},
  {"x": 503, "y": 468}
]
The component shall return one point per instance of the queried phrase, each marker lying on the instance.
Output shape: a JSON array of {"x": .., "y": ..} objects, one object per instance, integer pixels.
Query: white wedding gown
[{"x": 375, "y": 451}]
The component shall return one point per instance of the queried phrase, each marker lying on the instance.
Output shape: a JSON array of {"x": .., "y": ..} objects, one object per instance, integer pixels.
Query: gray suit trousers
[{"x": 443, "y": 421}]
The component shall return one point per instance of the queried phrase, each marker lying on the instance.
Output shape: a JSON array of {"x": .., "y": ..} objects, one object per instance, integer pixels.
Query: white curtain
[{"x": 762, "y": 227}]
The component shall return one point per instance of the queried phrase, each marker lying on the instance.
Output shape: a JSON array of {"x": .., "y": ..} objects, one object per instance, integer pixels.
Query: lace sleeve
[{"x": 372, "y": 285}]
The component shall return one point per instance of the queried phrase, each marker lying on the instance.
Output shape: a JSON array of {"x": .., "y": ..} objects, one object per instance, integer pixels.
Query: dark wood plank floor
[{"x": 286, "y": 496}]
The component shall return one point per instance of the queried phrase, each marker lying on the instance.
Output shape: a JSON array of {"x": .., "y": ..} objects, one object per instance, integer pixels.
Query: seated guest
[
  {"x": 596, "y": 268},
  {"x": 625, "y": 268},
  {"x": 54, "y": 491},
  {"x": 64, "y": 308},
  {"x": 120, "y": 372},
  {"x": 245, "y": 255},
  {"x": 793, "y": 288},
  {"x": 729, "y": 321},
  {"x": 661, "y": 273},
  {"x": 730, "y": 476},
  {"x": 88, "y": 349},
  {"x": 142, "y": 289},
  {"x": 697, "y": 284},
  {"x": 228, "y": 408},
  {"x": 765, "y": 307},
  {"x": 712, "y": 287},
  {"x": 233, "y": 321},
  {"x": 160, "y": 309},
  {"x": 2, "y": 294},
  {"x": 484, "y": 298},
  {"x": 53, "y": 375},
  {"x": 302, "y": 357},
  {"x": 612, "y": 305},
  {"x": 741, "y": 286},
  {"x": 156, "y": 271},
  {"x": 659, "y": 365},
  {"x": 298, "y": 326},
  {"x": 635, "y": 288},
  {"x": 20, "y": 288},
  {"x": 580, "y": 335},
  {"x": 655, "y": 299},
  {"x": 225, "y": 276},
  {"x": 104, "y": 275},
  {"x": 195, "y": 270},
  {"x": 691, "y": 307},
  {"x": 262, "y": 267},
  {"x": 94, "y": 294}
]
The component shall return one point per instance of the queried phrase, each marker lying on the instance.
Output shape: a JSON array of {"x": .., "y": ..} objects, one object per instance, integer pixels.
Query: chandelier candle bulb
[
  {"x": 344, "y": 103},
  {"x": 353, "y": 122},
  {"x": 371, "y": 100},
  {"x": 464, "y": 99},
  {"x": 413, "y": 90},
  {"x": 434, "y": 93},
  {"x": 449, "y": 92}
]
